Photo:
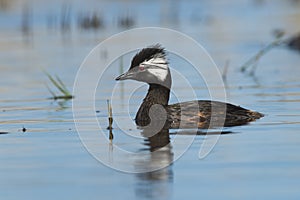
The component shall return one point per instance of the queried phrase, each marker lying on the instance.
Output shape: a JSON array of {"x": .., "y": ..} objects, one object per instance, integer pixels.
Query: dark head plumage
[{"x": 146, "y": 54}]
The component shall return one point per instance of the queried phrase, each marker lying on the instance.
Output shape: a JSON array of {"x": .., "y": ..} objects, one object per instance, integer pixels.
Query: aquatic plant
[
  {"x": 126, "y": 21},
  {"x": 87, "y": 22},
  {"x": 225, "y": 70},
  {"x": 57, "y": 82},
  {"x": 252, "y": 62},
  {"x": 110, "y": 120},
  {"x": 294, "y": 42}
]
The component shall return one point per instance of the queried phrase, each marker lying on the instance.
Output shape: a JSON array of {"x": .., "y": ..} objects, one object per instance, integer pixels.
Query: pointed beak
[{"x": 124, "y": 76}]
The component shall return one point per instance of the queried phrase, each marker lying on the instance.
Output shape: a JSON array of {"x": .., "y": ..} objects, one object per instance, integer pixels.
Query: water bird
[{"x": 150, "y": 65}]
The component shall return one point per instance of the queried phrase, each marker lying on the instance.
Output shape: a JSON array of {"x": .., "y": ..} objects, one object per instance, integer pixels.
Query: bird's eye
[{"x": 141, "y": 68}]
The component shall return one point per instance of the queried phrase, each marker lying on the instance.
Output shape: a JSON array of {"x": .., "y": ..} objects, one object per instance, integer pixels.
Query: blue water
[{"x": 48, "y": 161}]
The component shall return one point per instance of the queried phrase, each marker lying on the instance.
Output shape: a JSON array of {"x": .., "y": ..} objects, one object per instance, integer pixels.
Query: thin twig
[
  {"x": 260, "y": 53},
  {"x": 110, "y": 120}
]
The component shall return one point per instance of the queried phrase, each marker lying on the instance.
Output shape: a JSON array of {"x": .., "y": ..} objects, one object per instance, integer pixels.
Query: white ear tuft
[
  {"x": 158, "y": 62},
  {"x": 160, "y": 74}
]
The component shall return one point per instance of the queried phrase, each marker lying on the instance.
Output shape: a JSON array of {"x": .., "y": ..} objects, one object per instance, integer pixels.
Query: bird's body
[
  {"x": 150, "y": 66},
  {"x": 210, "y": 114}
]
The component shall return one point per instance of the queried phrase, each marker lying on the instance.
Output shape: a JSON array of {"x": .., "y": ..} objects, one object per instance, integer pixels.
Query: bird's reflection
[{"x": 156, "y": 184}]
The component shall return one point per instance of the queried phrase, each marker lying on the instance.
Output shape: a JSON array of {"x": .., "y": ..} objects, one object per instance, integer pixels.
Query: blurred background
[{"x": 45, "y": 33}]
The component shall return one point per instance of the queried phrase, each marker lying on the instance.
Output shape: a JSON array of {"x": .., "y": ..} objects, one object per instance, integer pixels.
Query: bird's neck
[{"x": 157, "y": 94}]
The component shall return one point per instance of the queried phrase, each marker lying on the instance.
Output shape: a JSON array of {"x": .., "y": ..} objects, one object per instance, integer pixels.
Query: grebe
[{"x": 150, "y": 65}]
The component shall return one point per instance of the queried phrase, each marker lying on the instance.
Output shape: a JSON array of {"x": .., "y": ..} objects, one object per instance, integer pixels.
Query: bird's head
[{"x": 150, "y": 65}]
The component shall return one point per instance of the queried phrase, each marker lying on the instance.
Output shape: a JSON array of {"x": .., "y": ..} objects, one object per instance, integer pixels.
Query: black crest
[{"x": 147, "y": 54}]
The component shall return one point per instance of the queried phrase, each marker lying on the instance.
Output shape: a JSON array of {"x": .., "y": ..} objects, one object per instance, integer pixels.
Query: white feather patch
[
  {"x": 159, "y": 62},
  {"x": 161, "y": 74}
]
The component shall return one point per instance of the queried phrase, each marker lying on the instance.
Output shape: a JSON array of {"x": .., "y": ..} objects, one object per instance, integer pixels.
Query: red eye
[{"x": 141, "y": 68}]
